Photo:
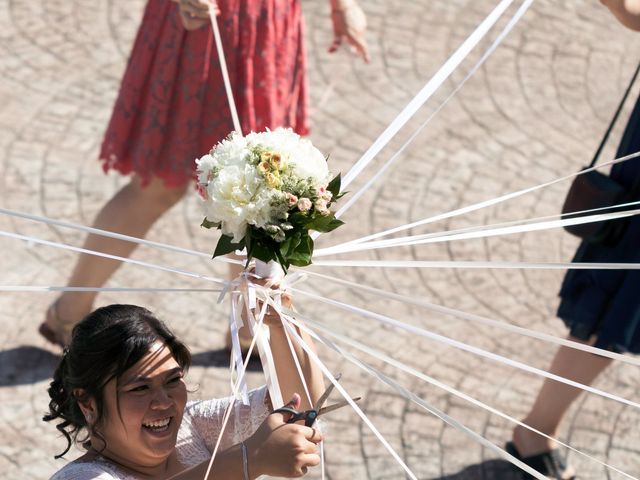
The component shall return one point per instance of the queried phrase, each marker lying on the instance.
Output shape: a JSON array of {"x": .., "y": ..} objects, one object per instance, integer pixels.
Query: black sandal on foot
[{"x": 549, "y": 463}]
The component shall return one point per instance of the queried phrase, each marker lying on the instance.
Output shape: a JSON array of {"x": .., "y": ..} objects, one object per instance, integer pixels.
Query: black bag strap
[{"x": 615, "y": 118}]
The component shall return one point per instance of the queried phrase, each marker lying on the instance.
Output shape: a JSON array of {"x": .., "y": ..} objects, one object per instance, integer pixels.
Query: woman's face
[{"x": 143, "y": 410}]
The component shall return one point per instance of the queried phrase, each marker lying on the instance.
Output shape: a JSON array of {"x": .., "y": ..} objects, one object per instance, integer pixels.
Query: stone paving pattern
[{"x": 534, "y": 112}]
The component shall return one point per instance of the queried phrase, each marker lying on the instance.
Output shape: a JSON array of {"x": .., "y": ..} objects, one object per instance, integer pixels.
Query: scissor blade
[
  {"x": 323, "y": 398},
  {"x": 336, "y": 406}
]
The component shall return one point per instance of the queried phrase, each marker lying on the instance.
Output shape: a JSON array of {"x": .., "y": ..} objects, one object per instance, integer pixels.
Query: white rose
[{"x": 308, "y": 161}]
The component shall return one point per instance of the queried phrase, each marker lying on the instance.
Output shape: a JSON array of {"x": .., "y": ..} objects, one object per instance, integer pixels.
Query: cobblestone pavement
[{"x": 533, "y": 113}]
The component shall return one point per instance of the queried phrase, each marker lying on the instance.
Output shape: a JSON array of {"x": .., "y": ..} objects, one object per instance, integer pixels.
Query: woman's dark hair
[{"x": 104, "y": 345}]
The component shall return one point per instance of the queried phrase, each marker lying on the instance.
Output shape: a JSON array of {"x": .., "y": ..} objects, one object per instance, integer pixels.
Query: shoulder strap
[{"x": 615, "y": 118}]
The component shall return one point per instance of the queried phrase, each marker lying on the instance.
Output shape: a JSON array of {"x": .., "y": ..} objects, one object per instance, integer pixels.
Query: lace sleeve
[
  {"x": 206, "y": 417},
  {"x": 83, "y": 471}
]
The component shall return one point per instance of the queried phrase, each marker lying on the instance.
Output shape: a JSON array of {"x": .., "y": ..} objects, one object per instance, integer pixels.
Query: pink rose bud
[
  {"x": 304, "y": 204},
  {"x": 292, "y": 199}
]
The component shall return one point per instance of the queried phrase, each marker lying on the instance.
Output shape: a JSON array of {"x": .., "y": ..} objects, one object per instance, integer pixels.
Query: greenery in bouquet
[{"x": 266, "y": 191}]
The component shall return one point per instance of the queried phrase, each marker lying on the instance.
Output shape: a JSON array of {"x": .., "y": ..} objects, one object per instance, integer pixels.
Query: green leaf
[
  {"x": 263, "y": 252},
  {"x": 225, "y": 245},
  {"x": 324, "y": 223},
  {"x": 334, "y": 186},
  {"x": 301, "y": 256},
  {"x": 209, "y": 224}
]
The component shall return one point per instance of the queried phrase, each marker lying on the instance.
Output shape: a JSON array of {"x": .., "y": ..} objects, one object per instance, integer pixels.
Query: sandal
[
  {"x": 54, "y": 329},
  {"x": 549, "y": 463}
]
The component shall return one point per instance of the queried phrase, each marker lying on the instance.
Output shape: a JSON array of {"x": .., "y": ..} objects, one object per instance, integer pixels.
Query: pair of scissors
[{"x": 310, "y": 416}]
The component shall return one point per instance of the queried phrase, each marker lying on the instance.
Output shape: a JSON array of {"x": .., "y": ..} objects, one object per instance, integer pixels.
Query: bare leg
[
  {"x": 555, "y": 398},
  {"x": 132, "y": 211}
]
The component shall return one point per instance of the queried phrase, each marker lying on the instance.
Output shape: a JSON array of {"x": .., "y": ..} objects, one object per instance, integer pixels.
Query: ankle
[{"x": 530, "y": 443}]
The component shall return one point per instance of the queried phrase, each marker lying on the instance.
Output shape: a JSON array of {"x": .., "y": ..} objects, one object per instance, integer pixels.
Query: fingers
[
  {"x": 313, "y": 435},
  {"x": 196, "y": 8},
  {"x": 360, "y": 46},
  {"x": 295, "y": 401},
  {"x": 195, "y": 13}
]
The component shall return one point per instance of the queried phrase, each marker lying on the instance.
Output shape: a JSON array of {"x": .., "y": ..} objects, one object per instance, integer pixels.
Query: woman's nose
[{"x": 161, "y": 399}]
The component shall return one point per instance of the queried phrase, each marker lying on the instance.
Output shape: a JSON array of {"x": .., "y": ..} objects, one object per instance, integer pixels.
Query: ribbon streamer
[
  {"x": 492, "y": 232},
  {"x": 512, "y": 22},
  {"x": 476, "y": 228},
  {"x": 117, "y": 236},
  {"x": 224, "y": 70},
  {"x": 404, "y": 392},
  {"x": 467, "y": 348},
  {"x": 470, "y": 317},
  {"x": 485, "y": 203},
  {"x": 390, "y": 361},
  {"x": 492, "y": 264},
  {"x": 348, "y": 398},
  {"x": 31, "y": 288},
  {"x": 431, "y": 86}
]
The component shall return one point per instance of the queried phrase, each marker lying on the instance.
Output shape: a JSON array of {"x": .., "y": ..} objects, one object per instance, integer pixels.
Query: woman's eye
[
  {"x": 141, "y": 388},
  {"x": 175, "y": 380}
]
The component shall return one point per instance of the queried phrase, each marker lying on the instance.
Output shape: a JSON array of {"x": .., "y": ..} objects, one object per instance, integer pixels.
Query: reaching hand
[
  {"x": 350, "y": 24},
  {"x": 195, "y": 13},
  {"x": 280, "y": 449}
]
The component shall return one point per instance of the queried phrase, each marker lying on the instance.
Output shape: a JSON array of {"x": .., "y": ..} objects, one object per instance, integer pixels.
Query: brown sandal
[{"x": 60, "y": 333}]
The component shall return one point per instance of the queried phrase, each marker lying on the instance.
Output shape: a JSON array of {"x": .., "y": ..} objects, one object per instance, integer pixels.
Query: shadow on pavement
[
  {"x": 26, "y": 364},
  {"x": 488, "y": 470},
  {"x": 220, "y": 358}
]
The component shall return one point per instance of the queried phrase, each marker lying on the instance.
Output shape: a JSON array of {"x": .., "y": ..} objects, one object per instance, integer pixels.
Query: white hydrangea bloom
[{"x": 237, "y": 194}]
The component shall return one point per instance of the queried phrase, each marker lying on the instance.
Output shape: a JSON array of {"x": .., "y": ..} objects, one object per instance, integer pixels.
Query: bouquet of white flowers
[{"x": 266, "y": 191}]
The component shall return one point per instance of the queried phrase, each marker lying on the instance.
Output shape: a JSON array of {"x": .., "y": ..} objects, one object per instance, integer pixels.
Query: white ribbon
[
  {"x": 489, "y": 232},
  {"x": 154, "y": 266},
  {"x": 224, "y": 70},
  {"x": 404, "y": 392},
  {"x": 468, "y": 264},
  {"x": 352, "y": 198},
  {"x": 470, "y": 317},
  {"x": 327, "y": 373},
  {"x": 431, "y": 86},
  {"x": 117, "y": 236},
  {"x": 401, "y": 366},
  {"x": 32, "y": 288},
  {"x": 485, "y": 203},
  {"x": 467, "y": 348}
]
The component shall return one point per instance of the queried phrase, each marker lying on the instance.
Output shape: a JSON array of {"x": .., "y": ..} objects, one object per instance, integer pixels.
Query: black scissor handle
[{"x": 308, "y": 416}]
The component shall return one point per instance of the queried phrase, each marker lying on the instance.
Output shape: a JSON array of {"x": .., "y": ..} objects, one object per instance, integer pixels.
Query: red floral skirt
[{"x": 172, "y": 106}]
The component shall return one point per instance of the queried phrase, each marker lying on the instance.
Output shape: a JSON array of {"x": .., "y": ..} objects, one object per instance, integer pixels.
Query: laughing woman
[{"x": 119, "y": 390}]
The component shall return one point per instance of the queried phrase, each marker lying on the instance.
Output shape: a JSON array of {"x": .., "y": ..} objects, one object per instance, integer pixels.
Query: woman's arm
[
  {"x": 227, "y": 464},
  {"x": 626, "y": 11},
  {"x": 288, "y": 376}
]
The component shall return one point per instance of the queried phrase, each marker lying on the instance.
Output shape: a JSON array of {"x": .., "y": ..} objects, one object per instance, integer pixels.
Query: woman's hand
[
  {"x": 280, "y": 449},
  {"x": 350, "y": 24},
  {"x": 195, "y": 13},
  {"x": 271, "y": 317}
]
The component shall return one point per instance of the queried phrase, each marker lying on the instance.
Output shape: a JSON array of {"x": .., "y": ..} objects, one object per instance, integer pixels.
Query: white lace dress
[{"x": 201, "y": 425}]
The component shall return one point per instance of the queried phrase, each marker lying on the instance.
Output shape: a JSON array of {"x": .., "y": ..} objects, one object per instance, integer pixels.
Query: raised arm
[
  {"x": 626, "y": 11},
  {"x": 286, "y": 370}
]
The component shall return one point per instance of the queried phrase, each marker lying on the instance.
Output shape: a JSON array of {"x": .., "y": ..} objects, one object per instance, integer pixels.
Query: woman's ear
[{"x": 87, "y": 405}]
